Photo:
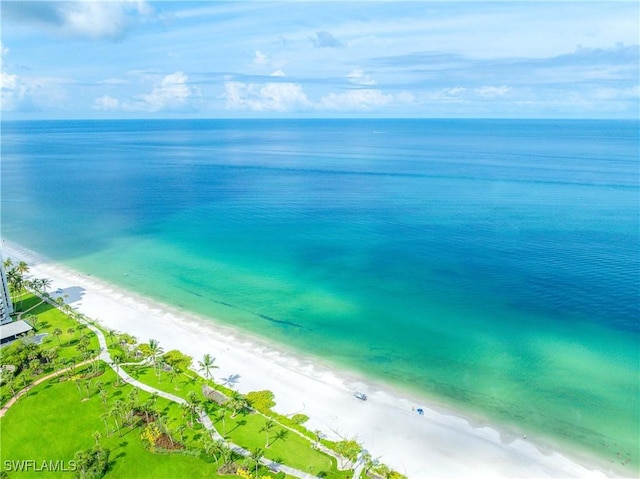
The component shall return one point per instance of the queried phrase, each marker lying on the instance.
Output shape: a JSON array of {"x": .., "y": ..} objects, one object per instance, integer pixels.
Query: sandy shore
[{"x": 439, "y": 444}]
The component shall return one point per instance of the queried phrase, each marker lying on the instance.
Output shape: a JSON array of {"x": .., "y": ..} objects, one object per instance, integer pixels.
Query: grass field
[{"x": 56, "y": 420}]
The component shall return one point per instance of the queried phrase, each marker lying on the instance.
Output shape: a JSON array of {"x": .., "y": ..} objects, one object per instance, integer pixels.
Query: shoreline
[{"x": 442, "y": 443}]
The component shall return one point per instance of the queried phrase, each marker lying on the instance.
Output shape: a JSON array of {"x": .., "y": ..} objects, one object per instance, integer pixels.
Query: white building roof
[{"x": 14, "y": 329}]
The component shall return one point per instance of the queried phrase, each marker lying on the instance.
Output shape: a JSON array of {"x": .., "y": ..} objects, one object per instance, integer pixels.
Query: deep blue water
[{"x": 494, "y": 264}]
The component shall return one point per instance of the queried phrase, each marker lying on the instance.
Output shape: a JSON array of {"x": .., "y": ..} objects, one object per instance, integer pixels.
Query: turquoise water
[{"x": 490, "y": 264}]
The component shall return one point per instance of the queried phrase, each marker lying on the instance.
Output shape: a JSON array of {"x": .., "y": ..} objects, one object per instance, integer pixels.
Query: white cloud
[
  {"x": 279, "y": 97},
  {"x": 362, "y": 100},
  {"x": 14, "y": 93},
  {"x": 260, "y": 58},
  {"x": 172, "y": 93},
  {"x": 106, "y": 103},
  {"x": 85, "y": 19},
  {"x": 492, "y": 91},
  {"x": 359, "y": 78},
  {"x": 278, "y": 73},
  {"x": 459, "y": 93},
  {"x": 325, "y": 39}
]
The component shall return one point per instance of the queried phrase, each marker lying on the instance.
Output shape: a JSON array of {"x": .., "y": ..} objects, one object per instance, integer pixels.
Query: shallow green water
[{"x": 489, "y": 264}]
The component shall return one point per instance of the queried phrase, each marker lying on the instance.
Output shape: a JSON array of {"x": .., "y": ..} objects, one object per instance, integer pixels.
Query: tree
[
  {"x": 92, "y": 463},
  {"x": 319, "y": 436},
  {"x": 207, "y": 364},
  {"x": 22, "y": 268},
  {"x": 155, "y": 351},
  {"x": 256, "y": 457},
  {"x": 177, "y": 360},
  {"x": 192, "y": 406},
  {"x": 104, "y": 396},
  {"x": 225, "y": 451},
  {"x": 45, "y": 284},
  {"x": 115, "y": 413},
  {"x": 57, "y": 333},
  {"x": 221, "y": 414},
  {"x": 180, "y": 431},
  {"x": 237, "y": 404},
  {"x": 32, "y": 319},
  {"x": 49, "y": 355},
  {"x": 348, "y": 449},
  {"x": 281, "y": 435},
  {"x": 12, "y": 387},
  {"x": 97, "y": 436},
  {"x": 173, "y": 376},
  {"x": 268, "y": 426},
  {"x": 104, "y": 417},
  {"x": 35, "y": 366},
  {"x": 117, "y": 360},
  {"x": 112, "y": 335}
]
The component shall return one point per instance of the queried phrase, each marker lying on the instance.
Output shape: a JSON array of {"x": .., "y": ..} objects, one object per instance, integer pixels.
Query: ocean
[{"x": 492, "y": 265}]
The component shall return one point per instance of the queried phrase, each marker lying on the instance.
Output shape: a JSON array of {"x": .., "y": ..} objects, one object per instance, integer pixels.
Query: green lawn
[
  {"x": 184, "y": 383},
  {"x": 48, "y": 319},
  {"x": 55, "y": 421},
  {"x": 295, "y": 451}
]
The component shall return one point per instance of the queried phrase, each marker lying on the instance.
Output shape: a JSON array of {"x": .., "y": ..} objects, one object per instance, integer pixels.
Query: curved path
[
  {"x": 203, "y": 417},
  {"x": 15, "y": 398}
]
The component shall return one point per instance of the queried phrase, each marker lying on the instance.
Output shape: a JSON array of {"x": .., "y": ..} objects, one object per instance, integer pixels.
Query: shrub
[{"x": 261, "y": 401}]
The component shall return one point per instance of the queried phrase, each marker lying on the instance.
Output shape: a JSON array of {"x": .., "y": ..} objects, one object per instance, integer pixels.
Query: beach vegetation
[
  {"x": 88, "y": 398},
  {"x": 177, "y": 361},
  {"x": 207, "y": 365}
]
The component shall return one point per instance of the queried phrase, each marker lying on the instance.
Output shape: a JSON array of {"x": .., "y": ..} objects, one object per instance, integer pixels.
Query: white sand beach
[{"x": 438, "y": 444}]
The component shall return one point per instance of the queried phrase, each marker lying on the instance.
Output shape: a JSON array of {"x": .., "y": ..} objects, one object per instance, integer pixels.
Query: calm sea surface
[{"x": 490, "y": 264}]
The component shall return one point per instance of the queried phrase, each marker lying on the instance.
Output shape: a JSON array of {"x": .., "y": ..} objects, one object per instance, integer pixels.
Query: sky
[{"x": 258, "y": 59}]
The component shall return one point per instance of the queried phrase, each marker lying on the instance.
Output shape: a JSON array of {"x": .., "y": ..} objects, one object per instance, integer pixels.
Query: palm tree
[
  {"x": 268, "y": 426},
  {"x": 117, "y": 360},
  {"x": 104, "y": 396},
  {"x": 319, "y": 435},
  {"x": 22, "y": 268},
  {"x": 26, "y": 379},
  {"x": 237, "y": 403},
  {"x": 49, "y": 355},
  {"x": 281, "y": 435},
  {"x": 180, "y": 430},
  {"x": 115, "y": 412},
  {"x": 173, "y": 376},
  {"x": 225, "y": 451},
  {"x": 45, "y": 284},
  {"x": 57, "y": 333},
  {"x": 112, "y": 335},
  {"x": 104, "y": 417},
  {"x": 12, "y": 387},
  {"x": 155, "y": 350},
  {"x": 207, "y": 364},
  {"x": 192, "y": 405},
  {"x": 33, "y": 320},
  {"x": 256, "y": 457},
  {"x": 221, "y": 413},
  {"x": 83, "y": 460}
]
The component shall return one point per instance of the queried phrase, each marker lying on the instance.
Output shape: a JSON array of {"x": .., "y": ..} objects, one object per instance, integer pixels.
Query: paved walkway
[
  {"x": 204, "y": 418},
  {"x": 15, "y": 398}
]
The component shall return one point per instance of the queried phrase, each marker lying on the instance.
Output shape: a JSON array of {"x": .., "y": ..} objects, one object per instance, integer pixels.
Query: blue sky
[{"x": 137, "y": 59}]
